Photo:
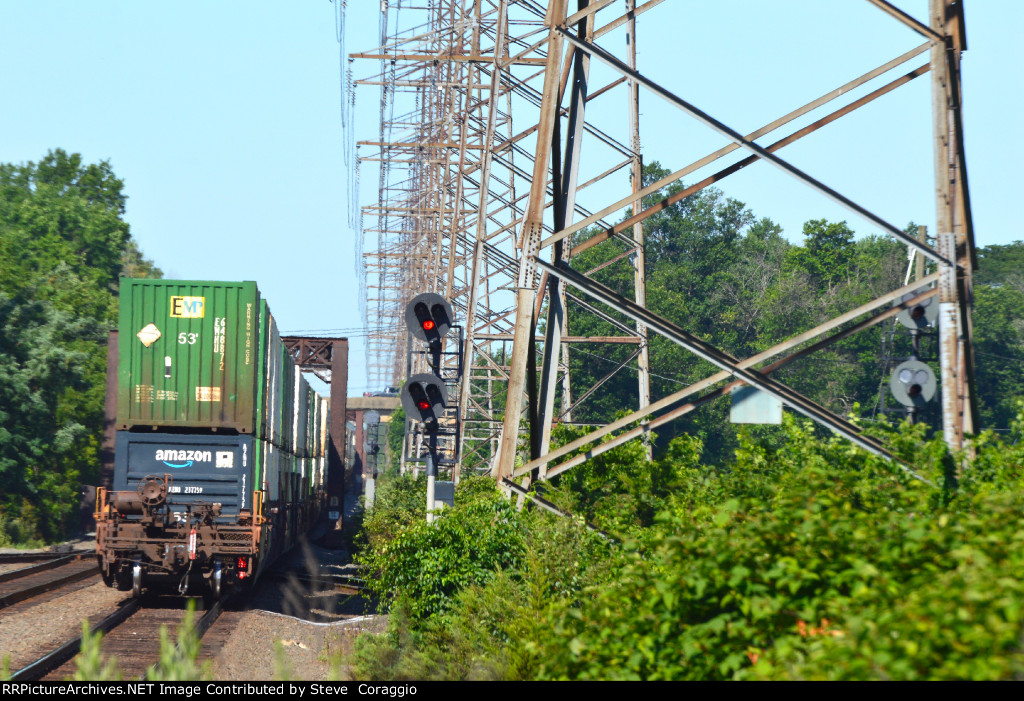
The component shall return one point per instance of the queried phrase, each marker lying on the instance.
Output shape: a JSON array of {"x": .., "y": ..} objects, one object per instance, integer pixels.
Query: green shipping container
[
  {"x": 189, "y": 355},
  {"x": 276, "y": 362},
  {"x": 301, "y": 404}
]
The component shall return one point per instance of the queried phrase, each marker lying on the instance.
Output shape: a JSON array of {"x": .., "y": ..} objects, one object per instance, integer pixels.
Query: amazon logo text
[{"x": 185, "y": 457}]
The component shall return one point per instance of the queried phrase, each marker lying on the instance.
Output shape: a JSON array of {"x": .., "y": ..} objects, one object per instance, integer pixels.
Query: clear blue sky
[{"x": 223, "y": 120}]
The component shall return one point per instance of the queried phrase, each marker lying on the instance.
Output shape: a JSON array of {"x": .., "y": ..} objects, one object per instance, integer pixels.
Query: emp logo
[{"x": 188, "y": 307}]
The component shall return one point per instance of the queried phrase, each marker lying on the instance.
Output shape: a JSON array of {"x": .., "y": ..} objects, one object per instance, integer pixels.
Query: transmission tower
[{"x": 498, "y": 142}]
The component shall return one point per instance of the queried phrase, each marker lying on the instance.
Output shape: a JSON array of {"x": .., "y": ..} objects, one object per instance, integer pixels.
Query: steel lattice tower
[{"x": 490, "y": 147}]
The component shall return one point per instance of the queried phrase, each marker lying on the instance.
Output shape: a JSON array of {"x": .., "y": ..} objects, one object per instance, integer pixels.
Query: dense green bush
[
  {"x": 819, "y": 562},
  {"x": 399, "y": 502},
  {"x": 803, "y": 558},
  {"x": 471, "y": 596},
  {"x": 425, "y": 565}
]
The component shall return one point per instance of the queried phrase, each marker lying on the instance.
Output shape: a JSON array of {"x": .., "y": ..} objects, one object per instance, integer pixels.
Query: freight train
[{"x": 220, "y": 446}]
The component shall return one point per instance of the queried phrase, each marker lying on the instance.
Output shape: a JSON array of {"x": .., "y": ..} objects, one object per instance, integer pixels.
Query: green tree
[
  {"x": 691, "y": 250},
  {"x": 806, "y": 559},
  {"x": 1001, "y": 265},
  {"x": 719, "y": 272},
  {"x": 999, "y": 352},
  {"x": 826, "y": 251},
  {"x": 63, "y": 245},
  {"x": 38, "y": 365}
]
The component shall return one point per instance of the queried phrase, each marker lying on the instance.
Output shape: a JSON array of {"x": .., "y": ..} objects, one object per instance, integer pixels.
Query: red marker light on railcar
[
  {"x": 242, "y": 563},
  {"x": 428, "y": 325}
]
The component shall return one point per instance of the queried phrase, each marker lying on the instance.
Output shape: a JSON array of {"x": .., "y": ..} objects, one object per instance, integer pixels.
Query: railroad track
[
  {"x": 27, "y": 582},
  {"x": 14, "y": 558},
  {"x": 320, "y": 597},
  {"x": 337, "y": 583},
  {"x": 131, "y": 634},
  {"x": 54, "y": 659}
]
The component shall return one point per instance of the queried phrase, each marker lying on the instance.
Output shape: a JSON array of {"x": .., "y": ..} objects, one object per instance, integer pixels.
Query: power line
[{"x": 1001, "y": 357}]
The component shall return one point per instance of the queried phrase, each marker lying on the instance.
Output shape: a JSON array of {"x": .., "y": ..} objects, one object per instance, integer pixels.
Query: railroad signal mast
[
  {"x": 913, "y": 383},
  {"x": 425, "y": 398},
  {"x": 431, "y": 415}
]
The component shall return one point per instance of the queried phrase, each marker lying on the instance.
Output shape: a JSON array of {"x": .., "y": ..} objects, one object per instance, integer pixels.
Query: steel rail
[
  {"x": 42, "y": 567},
  {"x": 208, "y": 618},
  {"x": 35, "y": 556},
  {"x": 67, "y": 651},
  {"x": 52, "y": 660},
  {"x": 28, "y": 592},
  {"x": 355, "y": 585}
]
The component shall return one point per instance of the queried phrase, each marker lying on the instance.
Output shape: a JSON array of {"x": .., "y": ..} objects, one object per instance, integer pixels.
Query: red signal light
[
  {"x": 428, "y": 325},
  {"x": 423, "y": 405}
]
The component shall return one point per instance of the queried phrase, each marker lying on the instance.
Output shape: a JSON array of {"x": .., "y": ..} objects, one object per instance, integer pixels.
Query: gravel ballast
[{"x": 34, "y": 630}]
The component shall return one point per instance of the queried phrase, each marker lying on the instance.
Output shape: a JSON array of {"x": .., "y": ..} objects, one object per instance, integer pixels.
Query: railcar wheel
[
  {"x": 216, "y": 581},
  {"x": 137, "y": 580}
]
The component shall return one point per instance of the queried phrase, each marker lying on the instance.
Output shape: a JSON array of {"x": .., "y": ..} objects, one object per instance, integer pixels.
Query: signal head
[
  {"x": 922, "y": 315},
  {"x": 425, "y": 398},
  {"x": 913, "y": 383},
  {"x": 429, "y": 317}
]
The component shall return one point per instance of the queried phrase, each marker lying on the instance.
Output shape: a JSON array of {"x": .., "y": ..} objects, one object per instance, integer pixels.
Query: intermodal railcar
[{"x": 221, "y": 444}]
